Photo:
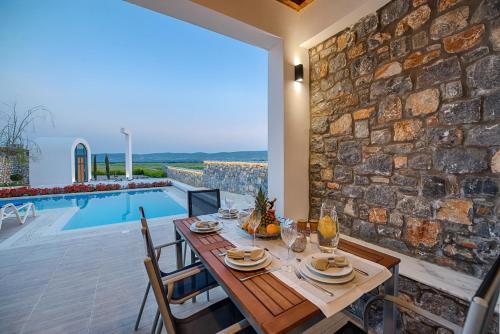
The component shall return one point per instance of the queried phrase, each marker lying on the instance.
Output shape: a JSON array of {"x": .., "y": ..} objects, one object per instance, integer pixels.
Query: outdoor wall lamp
[{"x": 299, "y": 72}]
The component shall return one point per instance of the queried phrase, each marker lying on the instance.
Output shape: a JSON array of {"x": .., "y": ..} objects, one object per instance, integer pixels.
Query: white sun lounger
[{"x": 10, "y": 211}]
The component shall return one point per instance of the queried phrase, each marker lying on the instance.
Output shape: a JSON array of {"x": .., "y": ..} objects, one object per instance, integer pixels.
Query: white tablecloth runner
[{"x": 344, "y": 294}]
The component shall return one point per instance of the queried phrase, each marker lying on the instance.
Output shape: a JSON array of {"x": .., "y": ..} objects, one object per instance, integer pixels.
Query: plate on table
[
  {"x": 332, "y": 272},
  {"x": 325, "y": 279},
  {"x": 249, "y": 263},
  {"x": 267, "y": 261},
  {"x": 214, "y": 224},
  {"x": 195, "y": 229}
]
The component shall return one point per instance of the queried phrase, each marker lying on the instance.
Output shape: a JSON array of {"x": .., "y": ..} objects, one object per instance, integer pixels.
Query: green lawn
[{"x": 151, "y": 169}]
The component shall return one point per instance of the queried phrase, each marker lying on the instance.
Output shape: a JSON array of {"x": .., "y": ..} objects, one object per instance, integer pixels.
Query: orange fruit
[{"x": 272, "y": 229}]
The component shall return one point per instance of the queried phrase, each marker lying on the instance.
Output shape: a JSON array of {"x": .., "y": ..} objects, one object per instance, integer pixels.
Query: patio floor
[{"x": 83, "y": 285}]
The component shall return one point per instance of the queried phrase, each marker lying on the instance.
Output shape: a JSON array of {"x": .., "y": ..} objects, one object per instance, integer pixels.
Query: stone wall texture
[
  {"x": 10, "y": 164},
  {"x": 187, "y": 176},
  {"x": 237, "y": 177},
  {"x": 405, "y": 130}
]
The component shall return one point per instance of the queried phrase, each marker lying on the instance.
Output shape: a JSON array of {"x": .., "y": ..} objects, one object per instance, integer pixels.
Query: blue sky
[{"x": 99, "y": 65}]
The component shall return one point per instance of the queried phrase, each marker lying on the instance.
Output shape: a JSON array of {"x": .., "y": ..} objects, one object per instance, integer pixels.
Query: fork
[{"x": 317, "y": 286}]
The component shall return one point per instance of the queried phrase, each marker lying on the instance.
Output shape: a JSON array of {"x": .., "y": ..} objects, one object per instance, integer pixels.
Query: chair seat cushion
[
  {"x": 211, "y": 319},
  {"x": 187, "y": 286}
]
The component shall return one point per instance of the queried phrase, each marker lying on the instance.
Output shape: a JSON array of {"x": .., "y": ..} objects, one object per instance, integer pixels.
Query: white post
[{"x": 128, "y": 153}]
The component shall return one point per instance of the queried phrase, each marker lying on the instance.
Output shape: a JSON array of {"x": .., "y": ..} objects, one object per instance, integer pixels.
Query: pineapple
[{"x": 264, "y": 208}]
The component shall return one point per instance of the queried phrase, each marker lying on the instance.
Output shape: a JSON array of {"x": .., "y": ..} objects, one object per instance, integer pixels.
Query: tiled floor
[{"x": 84, "y": 285}]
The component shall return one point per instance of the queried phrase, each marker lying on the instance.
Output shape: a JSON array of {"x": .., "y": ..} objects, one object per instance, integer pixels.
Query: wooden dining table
[{"x": 267, "y": 303}]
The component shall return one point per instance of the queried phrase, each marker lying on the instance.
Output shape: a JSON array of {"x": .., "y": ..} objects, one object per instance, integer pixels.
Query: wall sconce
[{"x": 299, "y": 72}]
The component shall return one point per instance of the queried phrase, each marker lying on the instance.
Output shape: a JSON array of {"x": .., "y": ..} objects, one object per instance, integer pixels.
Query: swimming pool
[{"x": 108, "y": 207}]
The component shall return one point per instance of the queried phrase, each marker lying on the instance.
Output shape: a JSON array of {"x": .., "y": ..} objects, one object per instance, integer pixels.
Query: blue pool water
[{"x": 108, "y": 208}]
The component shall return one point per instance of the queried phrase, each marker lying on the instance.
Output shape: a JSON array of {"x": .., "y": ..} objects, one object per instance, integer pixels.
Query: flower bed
[{"x": 77, "y": 188}]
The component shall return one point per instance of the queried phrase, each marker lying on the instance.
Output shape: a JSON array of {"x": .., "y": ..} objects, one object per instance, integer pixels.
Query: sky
[{"x": 99, "y": 65}]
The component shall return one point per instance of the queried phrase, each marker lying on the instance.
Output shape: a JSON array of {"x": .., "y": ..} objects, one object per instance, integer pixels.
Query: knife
[{"x": 258, "y": 274}]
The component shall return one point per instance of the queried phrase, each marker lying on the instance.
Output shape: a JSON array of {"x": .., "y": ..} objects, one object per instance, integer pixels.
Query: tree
[
  {"x": 106, "y": 163},
  {"x": 94, "y": 167},
  {"x": 13, "y": 134}
]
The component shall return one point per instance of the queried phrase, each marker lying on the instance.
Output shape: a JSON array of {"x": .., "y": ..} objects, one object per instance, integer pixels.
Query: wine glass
[
  {"x": 328, "y": 228},
  {"x": 288, "y": 235},
  {"x": 229, "y": 203},
  {"x": 254, "y": 222}
]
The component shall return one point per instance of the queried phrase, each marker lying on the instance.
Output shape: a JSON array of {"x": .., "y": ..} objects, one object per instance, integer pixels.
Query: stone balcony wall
[
  {"x": 188, "y": 176},
  {"x": 236, "y": 177},
  {"x": 405, "y": 130},
  {"x": 10, "y": 164}
]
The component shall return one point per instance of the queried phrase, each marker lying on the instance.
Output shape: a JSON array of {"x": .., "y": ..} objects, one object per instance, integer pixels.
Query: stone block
[
  {"x": 495, "y": 34},
  {"x": 396, "y": 85},
  {"x": 445, "y": 4},
  {"x": 404, "y": 181},
  {"x": 380, "y": 136},
  {"x": 413, "y": 20},
  {"x": 441, "y": 71},
  {"x": 433, "y": 186},
  {"x": 378, "y": 164},
  {"x": 342, "y": 174},
  {"x": 423, "y": 102},
  {"x": 419, "y": 40},
  {"x": 393, "y": 11},
  {"x": 362, "y": 65},
  {"x": 451, "y": 90},
  {"x": 361, "y": 129},
  {"x": 460, "y": 160},
  {"x": 364, "y": 113},
  {"x": 330, "y": 144},
  {"x": 378, "y": 215},
  {"x": 349, "y": 152},
  {"x": 444, "y": 136},
  {"x": 420, "y": 161},
  {"x": 466, "y": 111},
  {"x": 464, "y": 40},
  {"x": 400, "y": 47},
  {"x": 352, "y": 191},
  {"x": 319, "y": 125},
  {"x": 400, "y": 161},
  {"x": 338, "y": 62},
  {"x": 455, "y": 211},
  {"x": 415, "y": 206},
  {"x": 449, "y": 23},
  {"x": 361, "y": 180},
  {"x": 387, "y": 70},
  {"x": 345, "y": 40},
  {"x": 480, "y": 187},
  {"x": 377, "y": 39},
  {"x": 356, "y": 51},
  {"x": 407, "y": 130},
  {"x": 342, "y": 126},
  {"x": 487, "y": 10},
  {"x": 483, "y": 135},
  {"x": 366, "y": 25},
  {"x": 390, "y": 109},
  {"x": 475, "y": 54},
  {"x": 327, "y": 174},
  {"x": 380, "y": 195},
  {"x": 419, "y": 58},
  {"x": 495, "y": 163},
  {"x": 483, "y": 76},
  {"x": 422, "y": 232}
]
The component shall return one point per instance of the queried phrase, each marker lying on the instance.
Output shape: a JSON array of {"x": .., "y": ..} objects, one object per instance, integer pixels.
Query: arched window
[{"x": 81, "y": 173}]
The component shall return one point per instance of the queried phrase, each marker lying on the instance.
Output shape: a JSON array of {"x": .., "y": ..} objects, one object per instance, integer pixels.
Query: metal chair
[
  {"x": 203, "y": 202},
  {"x": 480, "y": 312},
  {"x": 183, "y": 284},
  {"x": 221, "y": 317}
]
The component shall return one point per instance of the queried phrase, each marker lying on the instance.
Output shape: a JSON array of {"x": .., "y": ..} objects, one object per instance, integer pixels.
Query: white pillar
[{"x": 128, "y": 153}]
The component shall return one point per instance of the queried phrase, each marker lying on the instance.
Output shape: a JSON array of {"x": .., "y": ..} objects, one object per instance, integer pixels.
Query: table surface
[{"x": 266, "y": 301}]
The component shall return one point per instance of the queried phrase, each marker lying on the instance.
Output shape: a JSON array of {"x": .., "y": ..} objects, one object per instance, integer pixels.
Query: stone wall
[
  {"x": 188, "y": 176},
  {"x": 405, "y": 130},
  {"x": 11, "y": 164},
  {"x": 236, "y": 177}
]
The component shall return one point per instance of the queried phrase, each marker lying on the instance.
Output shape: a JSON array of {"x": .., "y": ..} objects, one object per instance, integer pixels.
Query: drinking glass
[
  {"x": 328, "y": 228},
  {"x": 288, "y": 235},
  {"x": 254, "y": 222},
  {"x": 229, "y": 203}
]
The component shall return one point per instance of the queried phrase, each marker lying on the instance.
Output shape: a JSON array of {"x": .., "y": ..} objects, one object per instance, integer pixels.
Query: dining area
[{"x": 297, "y": 277}]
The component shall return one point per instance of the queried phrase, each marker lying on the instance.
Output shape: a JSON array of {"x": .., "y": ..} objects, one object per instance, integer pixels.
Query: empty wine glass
[
  {"x": 254, "y": 222},
  {"x": 288, "y": 235},
  {"x": 229, "y": 203}
]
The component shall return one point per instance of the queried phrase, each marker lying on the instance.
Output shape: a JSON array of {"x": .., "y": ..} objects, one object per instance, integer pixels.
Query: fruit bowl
[{"x": 269, "y": 231}]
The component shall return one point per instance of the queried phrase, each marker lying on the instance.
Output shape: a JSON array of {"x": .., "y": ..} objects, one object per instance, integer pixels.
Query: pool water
[{"x": 109, "y": 207}]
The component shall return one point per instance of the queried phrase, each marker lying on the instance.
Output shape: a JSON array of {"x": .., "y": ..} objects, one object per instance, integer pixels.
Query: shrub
[
  {"x": 155, "y": 173},
  {"x": 138, "y": 171},
  {"x": 16, "y": 177}
]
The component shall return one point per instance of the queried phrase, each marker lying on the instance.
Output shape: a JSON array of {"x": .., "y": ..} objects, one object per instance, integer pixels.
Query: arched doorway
[{"x": 81, "y": 173}]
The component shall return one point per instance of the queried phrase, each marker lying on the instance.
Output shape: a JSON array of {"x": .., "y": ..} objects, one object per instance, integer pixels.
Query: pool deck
[{"x": 84, "y": 281}]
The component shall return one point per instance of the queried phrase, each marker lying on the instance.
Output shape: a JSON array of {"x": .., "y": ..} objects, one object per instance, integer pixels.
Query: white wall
[{"x": 286, "y": 34}]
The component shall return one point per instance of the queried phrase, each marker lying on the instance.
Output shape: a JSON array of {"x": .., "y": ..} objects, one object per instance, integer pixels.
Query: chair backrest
[
  {"x": 483, "y": 303},
  {"x": 148, "y": 241},
  {"x": 203, "y": 202},
  {"x": 160, "y": 295}
]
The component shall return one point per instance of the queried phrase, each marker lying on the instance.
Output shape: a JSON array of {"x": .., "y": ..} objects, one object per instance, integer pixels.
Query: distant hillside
[{"x": 188, "y": 157}]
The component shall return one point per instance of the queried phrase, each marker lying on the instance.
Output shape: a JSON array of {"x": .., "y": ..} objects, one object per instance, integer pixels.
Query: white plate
[
  {"x": 206, "y": 228},
  {"x": 324, "y": 279},
  {"x": 194, "y": 229},
  {"x": 264, "y": 264},
  {"x": 243, "y": 263},
  {"x": 227, "y": 216},
  {"x": 334, "y": 272}
]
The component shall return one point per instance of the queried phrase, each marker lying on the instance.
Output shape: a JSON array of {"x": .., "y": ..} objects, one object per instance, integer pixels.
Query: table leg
[
  {"x": 178, "y": 250},
  {"x": 391, "y": 287}
]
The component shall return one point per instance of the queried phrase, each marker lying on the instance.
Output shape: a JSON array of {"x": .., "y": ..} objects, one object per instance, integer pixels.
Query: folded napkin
[
  {"x": 324, "y": 263},
  {"x": 238, "y": 253},
  {"x": 206, "y": 224}
]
